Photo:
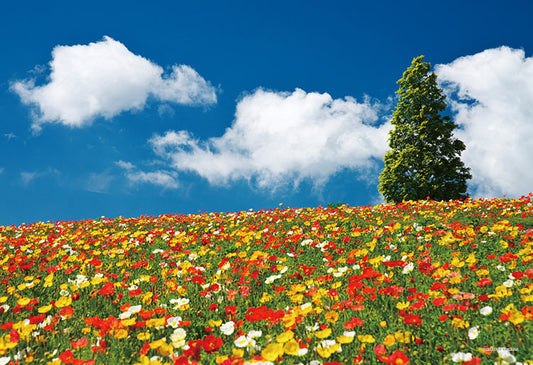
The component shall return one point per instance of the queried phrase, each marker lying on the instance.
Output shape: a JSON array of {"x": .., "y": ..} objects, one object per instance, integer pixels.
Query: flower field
[{"x": 418, "y": 282}]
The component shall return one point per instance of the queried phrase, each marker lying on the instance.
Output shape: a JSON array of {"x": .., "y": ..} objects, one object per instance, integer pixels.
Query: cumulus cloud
[
  {"x": 103, "y": 79},
  {"x": 283, "y": 137},
  {"x": 492, "y": 98},
  {"x": 165, "y": 179}
]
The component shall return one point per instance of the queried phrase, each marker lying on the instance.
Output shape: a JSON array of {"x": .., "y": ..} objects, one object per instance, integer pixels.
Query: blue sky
[{"x": 130, "y": 108}]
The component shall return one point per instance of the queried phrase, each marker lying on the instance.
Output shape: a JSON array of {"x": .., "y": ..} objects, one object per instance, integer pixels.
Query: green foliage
[{"x": 424, "y": 159}]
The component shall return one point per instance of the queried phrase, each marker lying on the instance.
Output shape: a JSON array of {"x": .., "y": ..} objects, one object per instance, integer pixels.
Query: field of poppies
[{"x": 418, "y": 282}]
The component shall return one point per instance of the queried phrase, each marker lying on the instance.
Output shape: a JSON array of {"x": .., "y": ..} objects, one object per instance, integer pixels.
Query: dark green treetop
[{"x": 424, "y": 157}]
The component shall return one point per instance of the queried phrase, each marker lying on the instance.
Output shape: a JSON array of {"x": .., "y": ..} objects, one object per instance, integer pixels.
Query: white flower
[
  {"x": 178, "y": 337},
  {"x": 174, "y": 322},
  {"x": 306, "y": 242},
  {"x": 271, "y": 279},
  {"x": 303, "y": 351},
  {"x": 349, "y": 334},
  {"x": 408, "y": 268},
  {"x": 500, "y": 267},
  {"x": 486, "y": 310},
  {"x": 508, "y": 283},
  {"x": 285, "y": 268},
  {"x": 473, "y": 332},
  {"x": 254, "y": 334},
  {"x": 64, "y": 293},
  {"x": 313, "y": 329},
  {"x": 461, "y": 356},
  {"x": 5, "y": 360},
  {"x": 227, "y": 328},
  {"x": 242, "y": 341},
  {"x": 506, "y": 356}
]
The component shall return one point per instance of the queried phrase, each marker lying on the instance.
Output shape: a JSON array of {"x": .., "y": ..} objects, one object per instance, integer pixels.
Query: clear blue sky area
[{"x": 129, "y": 108}]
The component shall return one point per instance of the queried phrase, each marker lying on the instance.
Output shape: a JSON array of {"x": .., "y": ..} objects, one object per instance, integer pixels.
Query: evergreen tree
[{"x": 424, "y": 157}]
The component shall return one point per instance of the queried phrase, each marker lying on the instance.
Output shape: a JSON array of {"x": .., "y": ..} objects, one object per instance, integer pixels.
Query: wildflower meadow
[{"x": 419, "y": 282}]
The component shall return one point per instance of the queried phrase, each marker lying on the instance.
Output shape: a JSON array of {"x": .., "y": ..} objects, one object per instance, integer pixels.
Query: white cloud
[
  {"x": 165, "y": 179},
  {"x": 492, "y": 96},
  {"x": 103, "y": 79},
  {"x": 98, "y": 182},
  {"x": 125, "y": 165},
  {"x": 282, "y": 137},
  {"x": 28, "y": 177}
]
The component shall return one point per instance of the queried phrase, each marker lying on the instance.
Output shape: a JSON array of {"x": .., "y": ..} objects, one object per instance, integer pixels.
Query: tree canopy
[{"x": 424, "y": 156}]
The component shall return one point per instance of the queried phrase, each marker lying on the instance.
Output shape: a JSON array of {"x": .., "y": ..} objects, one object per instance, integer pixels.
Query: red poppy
[
  {"x": 66, "y": 312},
  {"x": 134, "y": 292},
  {"x": 14, "y": 336},
  {"x": 353, "y": 323},
  {"x": 107, "y": 289},
  {"x": 474, "y": 361},
  {"x": 398, "y": 358},
  {"x": 413, "y": 319},
  {"x": 212, "y": 343},
  {"x": 79, "y": 344}
]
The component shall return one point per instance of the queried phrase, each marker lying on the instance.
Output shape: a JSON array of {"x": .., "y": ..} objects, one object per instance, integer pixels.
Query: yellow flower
[
  {"x": 502, "y": 291},
  {"x": 344, "y": 339},
  {"x": 3, "y": 299},
  {"x": 291, "y": 347},
  {"x": 297, "y": 298},
  {"x": 516, "y": 317},
  {"x": 383, "y": 324},
  {"x": 128, "y": 322},
  {"x": 402, "y": 305},
  {"x": 214, "y": 323},
  {"x": 156, "y": 322},
  {"x": 23, "y": 302},
  {"x": 265, "y": 298},
  {"x": 63, "y": 302},
  {"x": 332, "y": 316},
  {"x": 366, "y": 338},
  {"x": 272, "y": 351},
  {"x": 237, "y": 352},
  {"x": 459, "y": 323},
  {"x": 389, "y": 340},
  {"x": 221, "y": 358},
  {"x": 326, "y": 352},
  {"x": 323, "y": 333},
  {"x": 404, "y": 337},
  {"x": 120, "y": 333},
  {"x": 285, "y": 336},
  {"x": 143, "y": 336},
  {"x": 156, "y": 344}
]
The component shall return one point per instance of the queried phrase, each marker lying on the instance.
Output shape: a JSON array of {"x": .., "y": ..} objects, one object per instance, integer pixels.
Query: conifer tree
[{"x": 424, "y": 157}]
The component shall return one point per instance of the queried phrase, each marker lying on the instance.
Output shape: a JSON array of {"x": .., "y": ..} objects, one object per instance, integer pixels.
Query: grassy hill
[{"x": 419, "y": 282}]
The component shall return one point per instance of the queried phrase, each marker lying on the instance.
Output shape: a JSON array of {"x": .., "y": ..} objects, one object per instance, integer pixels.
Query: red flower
[
  {"x": 66, "y": 357},
  {"x": 398, "y": 358},
  {"x": 13, "y": 336},
  {"x": 66, "y": 312},
  {"x": 475, "y": 361},
  {"x": 107, "y": 289},
  {"x": 380, "y": 350},
  {"x": 212, "y": 343},
  {"x": 353, "y": 322},
  {"x": 79, "y": 344},
  {"x": 135, "y": 292},
  {"x": 413, "y": 319}
]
